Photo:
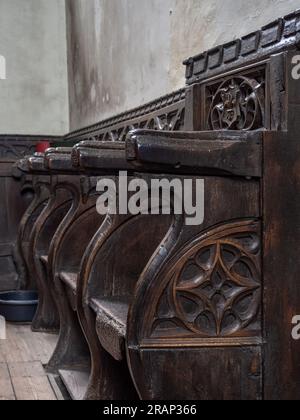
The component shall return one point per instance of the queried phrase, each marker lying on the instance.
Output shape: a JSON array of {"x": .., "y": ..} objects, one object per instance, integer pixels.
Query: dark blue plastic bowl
[{"x": 18, "y": 306}]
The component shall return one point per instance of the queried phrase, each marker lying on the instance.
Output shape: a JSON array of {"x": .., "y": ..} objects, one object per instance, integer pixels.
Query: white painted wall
[
  {"x": 126, "y": 52},
  {"x": 34, "y": 96},
  {"x": 198, "y": 25},
  {"x": 121, "y": 53}
]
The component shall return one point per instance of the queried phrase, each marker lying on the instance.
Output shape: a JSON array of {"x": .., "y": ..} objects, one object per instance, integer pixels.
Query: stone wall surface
[{"x": 34, "y": 95}]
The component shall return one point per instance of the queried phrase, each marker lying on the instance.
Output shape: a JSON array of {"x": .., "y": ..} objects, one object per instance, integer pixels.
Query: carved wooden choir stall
[{"x": 149, "y": 306}]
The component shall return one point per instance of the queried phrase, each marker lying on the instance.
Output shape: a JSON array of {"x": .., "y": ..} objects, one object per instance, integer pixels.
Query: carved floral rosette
[{"x": 238, "y": 104}]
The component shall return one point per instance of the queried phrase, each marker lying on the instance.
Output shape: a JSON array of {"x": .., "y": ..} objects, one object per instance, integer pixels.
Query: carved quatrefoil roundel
[{"x": 215, "y": 286}]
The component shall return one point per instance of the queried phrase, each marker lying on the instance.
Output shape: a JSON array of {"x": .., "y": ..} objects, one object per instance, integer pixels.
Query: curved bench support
[
  {"x": 65, "y": 256},
  {"x": 46, "y": 318},
  {"x": 41, "y": 197},
  {"x": 108, "y": 380},
  {"x": 37, "y": 179}
]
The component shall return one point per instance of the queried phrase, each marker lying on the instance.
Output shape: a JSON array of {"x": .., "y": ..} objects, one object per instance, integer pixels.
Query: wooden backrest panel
[
  {"x": 76, "y": 239},
  {"x": 124, "y": 255},
  {"x": 16, "y": 195}
]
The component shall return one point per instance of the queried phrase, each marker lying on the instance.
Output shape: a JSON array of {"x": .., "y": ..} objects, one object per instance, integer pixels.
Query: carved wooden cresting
[
  {"x": 14, "y": 148},
  {"x": 165, "y": 113},
  {"x": 253, "y": 48}
]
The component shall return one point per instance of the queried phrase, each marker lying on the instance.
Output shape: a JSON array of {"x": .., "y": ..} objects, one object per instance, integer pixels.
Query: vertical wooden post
[
  {"x": 281, "y": 209},
  {"x": 193, "y": 114}
]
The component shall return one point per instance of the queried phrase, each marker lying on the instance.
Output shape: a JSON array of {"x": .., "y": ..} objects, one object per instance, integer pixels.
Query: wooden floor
[{"x": 22, "y": 356}]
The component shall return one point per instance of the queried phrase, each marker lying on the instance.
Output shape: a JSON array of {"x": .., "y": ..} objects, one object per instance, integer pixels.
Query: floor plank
[
  {"x": 26, "y": 369},
  {"x": 6, "y": 388},
  {"x": 33, "y": 389},
  {"x": 22, "y": 356},
  {"x": 76, "y": 382}
]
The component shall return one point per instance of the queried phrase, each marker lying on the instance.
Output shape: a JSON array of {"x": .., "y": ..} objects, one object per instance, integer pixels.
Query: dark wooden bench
[
  {"x": 41, "y": 237},
  {"x": 173, "y": 327},
  {"x": 63, "y": 266},
  {"x": 174, "y": 311},
  {"x": 62, "y": 260},
  {"x": 17, "y": 192},
  {"x": 114, "y": 264},
  {"x": 39, "y": 180}
]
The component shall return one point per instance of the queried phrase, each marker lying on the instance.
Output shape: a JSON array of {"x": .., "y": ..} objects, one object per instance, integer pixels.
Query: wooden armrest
[
  {"x": 226, "y": 153},
  {"x": 23, "y": 164},
  {"x": 59, "y": 159},
  {"x": 36, "y": 163},
  {"x": 100, "y": 156},
  {"x": 100, "y": 145},
  {"x": 94, "y": 145},
  {"x": 21, "y": 167},
  {"x": 58, "y": 150}
]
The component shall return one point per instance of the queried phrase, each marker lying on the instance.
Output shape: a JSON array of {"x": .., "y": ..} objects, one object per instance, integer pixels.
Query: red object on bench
[{"x": 42, "y": 146}]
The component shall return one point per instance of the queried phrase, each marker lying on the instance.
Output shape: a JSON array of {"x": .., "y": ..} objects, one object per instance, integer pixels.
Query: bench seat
[
  {"x": 70, "y": 279},
  {"x": 44, "y": 259},
  {"x": 111, "y": 324}
]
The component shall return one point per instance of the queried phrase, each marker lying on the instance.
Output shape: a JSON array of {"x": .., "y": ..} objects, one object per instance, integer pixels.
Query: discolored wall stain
[
  {"x": 119, "y": 55},
  {"x": 198, "y": 25},
  {"x": 123, "y": 53}
]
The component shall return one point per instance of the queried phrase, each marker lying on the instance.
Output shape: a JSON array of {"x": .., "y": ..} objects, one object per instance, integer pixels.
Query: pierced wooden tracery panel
[
  {"x": 214, "y": 287},
  {"x": 166, "y": 121},
  {"x": 165, "y": 114},
  {"x": 237, "y": 102}
]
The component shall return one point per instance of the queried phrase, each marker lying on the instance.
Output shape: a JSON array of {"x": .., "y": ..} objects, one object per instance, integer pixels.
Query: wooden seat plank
[
  {"x": 76, "y": 382},
  {"x": 44, "y": 259},
  {"x": 111, "y": 324},
  {"x": 70, "y": 279}
]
